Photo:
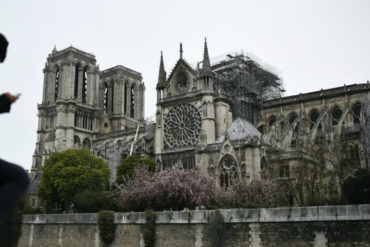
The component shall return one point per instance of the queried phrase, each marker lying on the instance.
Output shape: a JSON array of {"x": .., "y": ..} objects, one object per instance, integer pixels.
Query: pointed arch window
[
  {"x": 356, "y": 111},
  {"x": 132, "y": 106},
  {"x": 84, "y": 85},
  {"x": 272, "y": 120},
  {"x": 56, "y": 84},
  {"x": 105, "y": 106},
  {"x": 125, "y": 99},
  {"x": 292, "y": 118},
  {"x": 77, "y": 115},
  {"x": 112, "y": 98},
  {"x": 228, "y": 171},
  {"x": 313, "y": 117},
  {"x": 76, "y": 142},
  {"x": 86, "y": 143},
  {"x": 77, "y": 68},
  {"x": 336, "y": 115}
]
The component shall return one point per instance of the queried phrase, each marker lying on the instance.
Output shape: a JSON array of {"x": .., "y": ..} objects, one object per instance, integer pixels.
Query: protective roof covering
[{"x": 240, "y": 129}]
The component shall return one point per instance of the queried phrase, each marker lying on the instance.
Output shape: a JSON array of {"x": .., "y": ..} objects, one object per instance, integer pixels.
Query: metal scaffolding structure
[{"x": 247, "y": 81}]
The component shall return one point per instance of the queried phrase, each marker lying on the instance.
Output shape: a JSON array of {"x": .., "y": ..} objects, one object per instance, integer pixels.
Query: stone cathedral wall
[{"x": 347, "y": 225}]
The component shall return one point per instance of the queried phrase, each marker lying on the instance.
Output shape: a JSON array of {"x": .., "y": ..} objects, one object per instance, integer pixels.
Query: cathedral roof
[
  {"x": 183, "y": 62},
  {"x": 240, "y": 129},
  {"x": 56, "y": 53}
]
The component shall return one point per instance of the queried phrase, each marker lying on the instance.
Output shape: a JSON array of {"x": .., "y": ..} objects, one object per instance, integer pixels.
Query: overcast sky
[{"x": 314, "y": 44}]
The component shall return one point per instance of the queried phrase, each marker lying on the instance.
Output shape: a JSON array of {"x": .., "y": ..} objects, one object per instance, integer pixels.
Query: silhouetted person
[{"x": 13, "y": 179}]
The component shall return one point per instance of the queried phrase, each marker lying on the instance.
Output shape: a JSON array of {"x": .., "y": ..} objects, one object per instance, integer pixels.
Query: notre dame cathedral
[{"x": 226, "y": 117}]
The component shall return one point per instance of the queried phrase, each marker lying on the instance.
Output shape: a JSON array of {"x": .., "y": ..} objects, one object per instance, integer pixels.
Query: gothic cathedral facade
[{"x": 226, "y": 118}]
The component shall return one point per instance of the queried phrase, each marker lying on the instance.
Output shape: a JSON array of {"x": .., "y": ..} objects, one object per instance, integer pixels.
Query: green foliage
[
  {"x": 217, "y": 231},
  {"x": 106, "y": 226},
  {"x": 67, "y": 173},
  {"x": 127, "y": 167},
  {"x": 89, "y": 201},
  {"x": 28, "y": 209},
  {"x": 10, "y": 226},
  {"x": 356, "y": 190},
  {"x": 149, "y": 228}
]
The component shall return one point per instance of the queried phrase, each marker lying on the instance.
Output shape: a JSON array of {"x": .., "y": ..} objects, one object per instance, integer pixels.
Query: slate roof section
[{"x": 240, "y": 129}]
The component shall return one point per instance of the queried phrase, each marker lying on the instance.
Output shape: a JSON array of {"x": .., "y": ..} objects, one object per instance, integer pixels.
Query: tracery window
[
  {"x": 182, "y": 126},
  {"x": 77, "y": 68},
  {"x": 228, "y": 171},
  {"x": 272, "y": 120},
  {"x": 314, "y": 116},
  {"x": 132, "y": 98},
  {"x": 112, "y": 98},
  {"x": 292, "y": 117},
  {"x": 83, "y": 120},
  {"x": 76, "y": 142},
  {"x": 105, "y": 106},
  {"x": 86, "y": 143},
  {"x": 125, "y": 99},
  {"x": 56, "y": 84},
  {"x": 356, "y": 111},
  {"x": 336, "y": 114},
  {"x": 84, "y": 85}
]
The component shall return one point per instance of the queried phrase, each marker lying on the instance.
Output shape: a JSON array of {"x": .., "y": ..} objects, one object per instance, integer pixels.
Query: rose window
[{"x": 182, "y": 126}]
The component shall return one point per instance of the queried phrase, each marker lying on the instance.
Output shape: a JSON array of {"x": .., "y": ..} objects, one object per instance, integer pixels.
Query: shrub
[
  {"x": 356, "y": 190},
  {"x": 149, "y": 228},
  {"x": 89, "y": 201},
  {"x": 106, "y": 226},
  {"x": 173, "y": 189},
  {"x": 127, "y": 167},
  {"x": 260, "y": 193},
  {"x": 28, "y": 209},
  {"x": 217, "y": 231},
  {"x": 176, "y": 189},
  {"x": 135, "y": 194}
]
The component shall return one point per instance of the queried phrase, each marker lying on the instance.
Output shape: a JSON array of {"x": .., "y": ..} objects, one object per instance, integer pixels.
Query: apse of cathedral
[{"x": 226, "y": 117}]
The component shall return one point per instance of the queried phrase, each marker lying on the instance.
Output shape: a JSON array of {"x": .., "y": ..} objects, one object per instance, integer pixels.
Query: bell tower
[{"x": 69, "y": 109}]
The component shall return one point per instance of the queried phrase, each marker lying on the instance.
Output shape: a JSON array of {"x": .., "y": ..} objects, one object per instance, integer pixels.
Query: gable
[{"x": 181, "y": 79}]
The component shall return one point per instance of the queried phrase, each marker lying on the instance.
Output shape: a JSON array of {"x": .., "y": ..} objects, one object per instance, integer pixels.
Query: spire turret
[
  {"x": 181, "y": 51},
  {"x": 206, "y": 63},
  {"x": 162, "y": 74},
  {"x": 206, "y": 68}
]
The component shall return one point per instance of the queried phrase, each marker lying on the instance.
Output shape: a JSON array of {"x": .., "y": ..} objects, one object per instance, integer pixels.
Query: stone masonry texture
[{"x": 329, "y": 226}]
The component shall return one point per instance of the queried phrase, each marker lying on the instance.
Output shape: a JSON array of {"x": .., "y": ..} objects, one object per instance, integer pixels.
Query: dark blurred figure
[{"x": 13, "y": 179}]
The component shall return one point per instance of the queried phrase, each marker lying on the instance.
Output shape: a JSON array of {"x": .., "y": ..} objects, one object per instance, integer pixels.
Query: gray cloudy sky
[{"x": 314, "y": 43}]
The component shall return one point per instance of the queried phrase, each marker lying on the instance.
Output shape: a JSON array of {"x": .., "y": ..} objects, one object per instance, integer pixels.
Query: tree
[
  {"x": 172, "y": 189},
  {"x": 69, "y": 172},
  {"x": 89, "y": 201},
  {"x": 127, "y": 167},
  {"x": 356, "y": 190}
]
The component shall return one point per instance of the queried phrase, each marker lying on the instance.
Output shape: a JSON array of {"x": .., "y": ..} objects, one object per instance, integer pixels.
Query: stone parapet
[{"x": 283, "y": 214}]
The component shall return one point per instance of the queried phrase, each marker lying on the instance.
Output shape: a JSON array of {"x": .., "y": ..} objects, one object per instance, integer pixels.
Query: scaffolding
[{"x": 247, "y": 81}]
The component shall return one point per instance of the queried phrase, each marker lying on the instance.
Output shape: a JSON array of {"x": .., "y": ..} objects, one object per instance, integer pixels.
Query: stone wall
[{"x": 347, "y": 225}]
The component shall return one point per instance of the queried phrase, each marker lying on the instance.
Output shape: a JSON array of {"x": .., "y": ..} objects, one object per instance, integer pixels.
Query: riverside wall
[{"x": 339, "y": 226}]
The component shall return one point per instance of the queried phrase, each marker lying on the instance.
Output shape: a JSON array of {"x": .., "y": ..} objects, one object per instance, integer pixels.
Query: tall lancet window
[
  {"x": 105, "y": 106},
  {"x": 132, "y": 109},
  {"x": 84, "y": 85},
  {"x": 112, "y": 96},
  {"x": 125, "y": 99},
  {"x": 56, "y": 84},
  {"x": 77, "y": 68}
]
